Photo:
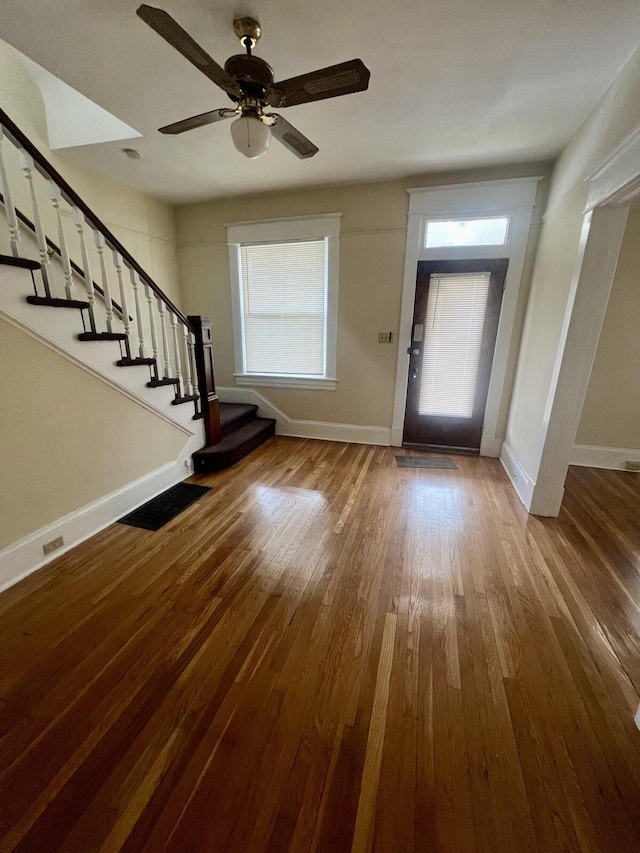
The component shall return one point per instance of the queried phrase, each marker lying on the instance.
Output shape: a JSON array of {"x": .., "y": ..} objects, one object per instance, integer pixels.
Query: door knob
[{"x": 415, "y": 352}]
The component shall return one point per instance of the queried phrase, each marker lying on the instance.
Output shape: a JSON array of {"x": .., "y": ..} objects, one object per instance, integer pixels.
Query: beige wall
[
  {"x": 144, "y": 225},
  {"x": 611, "y": 414},
  {"x": 372, "y": 251},
  {"x": 616, "y": 114},
  {"x": 67, "y": 438}
]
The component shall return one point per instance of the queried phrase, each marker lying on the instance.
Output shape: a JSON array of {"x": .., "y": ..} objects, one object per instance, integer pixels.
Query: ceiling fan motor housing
[{"x": 253, "y": 75}]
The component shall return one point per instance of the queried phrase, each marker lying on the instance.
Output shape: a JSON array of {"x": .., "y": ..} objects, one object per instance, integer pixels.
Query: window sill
[{"x": 266, "y": 380}]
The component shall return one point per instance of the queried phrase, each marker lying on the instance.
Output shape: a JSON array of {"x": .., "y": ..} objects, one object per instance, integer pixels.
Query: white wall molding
[
  {"x": 522, "y": 482},
  {"x": 593, "y": 456},
  {"x": 25, "y": 556},
  {"x": 615, "y": 180},
  {"x": 323, "y": 430},
  {"x": 515, "y": 198}
]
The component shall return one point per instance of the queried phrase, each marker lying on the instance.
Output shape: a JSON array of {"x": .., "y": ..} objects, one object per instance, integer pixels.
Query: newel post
[{"x": 209, "y": 404}]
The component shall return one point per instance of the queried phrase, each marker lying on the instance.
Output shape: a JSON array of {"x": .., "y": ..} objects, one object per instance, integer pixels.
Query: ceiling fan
[{"x": 248, "y": 81}]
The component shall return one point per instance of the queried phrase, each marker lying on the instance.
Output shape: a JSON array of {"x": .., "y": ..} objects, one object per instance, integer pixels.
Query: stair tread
[
  {"x": 54, "y": 302},
  {"x": 102, "y": 336},
  {"x": 231, "y": 413},
  {"x": 25, "y": 263},
  {"x": 239, "y": 436},
  {"x": 135, "y": 362}
]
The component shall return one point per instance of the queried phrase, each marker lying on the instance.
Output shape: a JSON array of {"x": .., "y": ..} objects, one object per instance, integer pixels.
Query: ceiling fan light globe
[{"x": 251, "y": 136}]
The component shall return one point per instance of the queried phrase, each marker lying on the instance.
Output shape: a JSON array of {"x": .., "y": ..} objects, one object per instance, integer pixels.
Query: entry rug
[
  {"x": 159, "y": 510},
  {"x": 424, "y": 462}
]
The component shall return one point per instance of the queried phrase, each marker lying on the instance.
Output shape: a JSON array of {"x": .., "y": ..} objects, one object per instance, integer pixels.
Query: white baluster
[
  {"x": 106, "y": 290},
  {"x": 165, "y": 340},
  {"x": 192, "y": 364},
  {"x": 188, "y": 380},
  {"x": 47, "y": 277},
  {"x": 79, "y": 220},
  {"x": 56, "y": 198},
  {"x": 176, "y": 351},
  {"x": 152, "y": 323},
  {"x": 135, "y": 283},
  {"x": 117, "y": 262},
  {"x": 12, "y": 218}
]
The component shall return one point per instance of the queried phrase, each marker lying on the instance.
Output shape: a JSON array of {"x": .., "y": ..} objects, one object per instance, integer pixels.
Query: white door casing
[{"x": 513, "y": 197}]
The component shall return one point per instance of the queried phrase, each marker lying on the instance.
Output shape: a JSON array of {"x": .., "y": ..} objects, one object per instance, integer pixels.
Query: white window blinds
[
  {"x": 454, "y": 323},
  {"x": 284, "y": 307}
]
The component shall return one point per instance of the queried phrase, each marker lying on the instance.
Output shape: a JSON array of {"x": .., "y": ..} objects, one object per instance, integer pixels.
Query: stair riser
[
  {"x": 206, "y": 464},
  {"x": 238, "y": 422}
]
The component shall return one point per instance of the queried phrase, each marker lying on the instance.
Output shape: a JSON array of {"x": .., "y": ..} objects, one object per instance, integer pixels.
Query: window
[
  {"x": 456, "y": 308},
  {"x": 284, "y": 280},
  {"x": 466, "y": 232}
]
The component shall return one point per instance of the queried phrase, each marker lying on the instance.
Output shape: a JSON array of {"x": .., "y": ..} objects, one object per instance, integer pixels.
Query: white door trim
[
  {"x": 612, "y": 186},
  {"x": 515, "y": 197},
  {"x": 584, "y": 316}
]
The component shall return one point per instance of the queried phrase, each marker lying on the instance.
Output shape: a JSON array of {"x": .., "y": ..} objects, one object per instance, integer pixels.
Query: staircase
[{"x": 61, "y": 243}]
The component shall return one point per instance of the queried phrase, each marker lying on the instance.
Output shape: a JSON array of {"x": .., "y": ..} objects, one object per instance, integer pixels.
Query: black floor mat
[
  {"x": 424, "y": 462},
  {"x": 159, "y": 510}
]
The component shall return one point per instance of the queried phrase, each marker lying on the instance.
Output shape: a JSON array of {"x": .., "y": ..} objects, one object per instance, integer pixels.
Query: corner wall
[{"x": 557, "y": 261}]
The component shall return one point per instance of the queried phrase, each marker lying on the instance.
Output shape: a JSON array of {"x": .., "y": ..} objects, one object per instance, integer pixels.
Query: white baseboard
[
  {"x": 324, "y": 430},
  {"x": 522, "y": 482},
  {"x": 25, "y": 556},
  {"x": 592, "y": 456},
  {"x": 491, "y": 446},
  {"x": 396, "y": 436}
]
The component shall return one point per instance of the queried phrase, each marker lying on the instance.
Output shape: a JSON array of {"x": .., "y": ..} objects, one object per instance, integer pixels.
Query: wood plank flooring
[{"x": 328, "y": 653}]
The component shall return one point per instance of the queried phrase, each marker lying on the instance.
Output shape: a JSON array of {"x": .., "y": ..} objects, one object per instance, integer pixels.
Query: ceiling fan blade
[
  {"x": 292, "y": 138},
  {"x": 197, "y": 121},
  {"x": 173, "y": 33},
  {"x": 341, "y": 79}
]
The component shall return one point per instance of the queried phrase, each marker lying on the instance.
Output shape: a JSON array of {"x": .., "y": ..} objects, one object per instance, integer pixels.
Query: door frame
[
  {"x": 515, "y": 198},
  {"x": 612, "y": 185}
]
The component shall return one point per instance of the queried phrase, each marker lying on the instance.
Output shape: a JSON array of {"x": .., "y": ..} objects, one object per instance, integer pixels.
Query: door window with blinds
[
  {"x": 452, "y": 343},
  {"x": 285, "y": 298}
]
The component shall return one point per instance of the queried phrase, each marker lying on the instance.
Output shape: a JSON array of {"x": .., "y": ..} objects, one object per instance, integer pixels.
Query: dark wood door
[{"x": 455, "y": 323}]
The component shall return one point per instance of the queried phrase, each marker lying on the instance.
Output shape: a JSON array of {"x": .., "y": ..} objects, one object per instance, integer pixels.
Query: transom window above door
[
  {"x": 284, "y": 287},
  {"x": 488, "y": 231}
]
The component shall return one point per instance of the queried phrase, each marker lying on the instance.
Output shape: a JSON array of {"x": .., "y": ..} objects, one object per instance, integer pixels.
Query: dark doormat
[
  {"x": 424, "y": 462},
  {"x": 159, "y": 510}
]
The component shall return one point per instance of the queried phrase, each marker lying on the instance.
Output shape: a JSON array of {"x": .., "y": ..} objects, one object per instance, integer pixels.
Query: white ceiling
[{"x": 454, "y": 83}]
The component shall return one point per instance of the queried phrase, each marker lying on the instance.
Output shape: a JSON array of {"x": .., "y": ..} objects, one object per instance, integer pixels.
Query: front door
[{"x": 455, "y": 322}]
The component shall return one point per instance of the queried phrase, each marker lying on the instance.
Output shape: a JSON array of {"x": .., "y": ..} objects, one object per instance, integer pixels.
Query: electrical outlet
[
  {"x": 53, "y": 545},
  {"x": 385, "y": 337},
  {"x": 632, "y": 466}
]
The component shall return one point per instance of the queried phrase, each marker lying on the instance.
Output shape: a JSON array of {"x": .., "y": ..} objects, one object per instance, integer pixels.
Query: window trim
[{"x": 289, "y": 230}]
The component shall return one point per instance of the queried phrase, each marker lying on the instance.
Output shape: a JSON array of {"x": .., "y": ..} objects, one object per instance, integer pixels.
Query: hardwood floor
[{"x": 329, "y": 653}]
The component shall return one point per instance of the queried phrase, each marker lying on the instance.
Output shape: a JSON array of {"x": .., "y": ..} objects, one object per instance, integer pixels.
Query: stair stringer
[{"x": 58, "y": 328}]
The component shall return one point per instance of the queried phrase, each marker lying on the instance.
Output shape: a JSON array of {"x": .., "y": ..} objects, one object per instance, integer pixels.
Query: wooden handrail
[
  {"x": 56, "y": 249},
  {"x": 70, "y": 195}
]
